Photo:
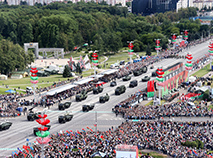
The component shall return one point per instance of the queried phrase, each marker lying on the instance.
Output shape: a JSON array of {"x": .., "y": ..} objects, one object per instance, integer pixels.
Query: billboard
[
  {"x": 174, "y": 81},
  {"x": 126, "y": 151}
]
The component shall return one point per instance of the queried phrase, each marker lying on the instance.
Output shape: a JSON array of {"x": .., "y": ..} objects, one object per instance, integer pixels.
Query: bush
[
  {"x": 206, "y": 96},
  {"x": 197, "y": 143}
]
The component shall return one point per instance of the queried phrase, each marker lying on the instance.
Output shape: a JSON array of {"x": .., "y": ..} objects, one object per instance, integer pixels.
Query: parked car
[
  {"x": 103, "y": 99},
  {"x": 145, "y": 79},
  {"x": 133, "y": 83},
  {"x": 119, "y": 90},
  {"x": 113, "y": 83},
  {"x": 126, "y": 78}
]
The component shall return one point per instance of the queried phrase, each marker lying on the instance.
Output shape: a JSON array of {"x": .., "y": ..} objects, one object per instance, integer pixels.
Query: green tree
[
  {"x": 12, "y": 57},
  {"x": 148, "y": 50},
  {"x": 67, "y": 72}
]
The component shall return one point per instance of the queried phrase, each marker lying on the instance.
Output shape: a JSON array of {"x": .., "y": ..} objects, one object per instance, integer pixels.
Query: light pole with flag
[{"x": 130, "y": 50}]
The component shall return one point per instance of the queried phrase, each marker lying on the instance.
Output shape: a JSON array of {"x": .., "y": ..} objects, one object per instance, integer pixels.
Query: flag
[
  {"x": 95, "y": 125},
  {"x": 194, "y": 152},
  {"x": 83, "y": 130},
  {"x": 82, "y": 63},
  {"x": 146, "y": 139},
  {"x": 71, "y": 64}
]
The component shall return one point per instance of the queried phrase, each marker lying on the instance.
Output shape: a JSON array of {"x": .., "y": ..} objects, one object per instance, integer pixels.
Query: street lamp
[
  {"x": 174, "y": 40},
  {"x": 160, "y": 78},
  {"x": 157, "y": 47},
  {"x": 130, "y": 50},
  {"x": 188, "y": 63},
  {"x": 211, "y": 52}
]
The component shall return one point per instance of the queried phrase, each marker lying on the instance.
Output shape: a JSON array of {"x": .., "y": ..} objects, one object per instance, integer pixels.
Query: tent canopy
[
  {"x": 60, "y": 89},
  {"x": 108, "y": 72},
  {"x": 10, "y": 91},
  {"x": 86, "y": 80}
]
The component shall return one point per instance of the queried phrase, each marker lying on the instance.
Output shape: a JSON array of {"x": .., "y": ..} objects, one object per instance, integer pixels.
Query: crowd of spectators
[
  {"x": 166, "y": 137},
  {"x": 179, "y": 109}
]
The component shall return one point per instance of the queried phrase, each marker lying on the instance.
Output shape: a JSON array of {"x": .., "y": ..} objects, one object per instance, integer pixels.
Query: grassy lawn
[
  {"x": 153, "y": 154},
  {"x": 202, "y": 71},
  {"x": 116, "y": 58},
  {"x": 2, "y": 91},
  {"x": 24, "y": 82},
  {"x": 74, "y": 54},
  {"x": 144, "y": 53}
]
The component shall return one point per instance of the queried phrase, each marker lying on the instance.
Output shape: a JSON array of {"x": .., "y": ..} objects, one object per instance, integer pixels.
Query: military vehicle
[
  {"x": 138, "y": 72},
  {"x": 133, "y": 83},
  {"x": 68, "y": 117},
  {"x": 97, "y": 90},
  {"x": 113, "y": 83},
  {"x": 103, "y": 99},
  {"x": 32, "y": 116},
  {"x": 61, "y": 119},
  {"x": 145, "y": 79},
  {"x": 61, "y": 106},
  {"x": 5, "y": 125},
  {"x": 81, "y": 96},
  {"x": 35, "y": 129},
  {"x": 88, "y": 107},
  {"x": 67, "y": 104},
  {"x": 120, "y": 89},
  {"x": 126, "y": 78}
]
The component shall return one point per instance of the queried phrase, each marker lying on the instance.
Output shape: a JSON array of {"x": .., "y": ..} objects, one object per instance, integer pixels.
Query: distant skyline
[{"x": 32, "y": 2}]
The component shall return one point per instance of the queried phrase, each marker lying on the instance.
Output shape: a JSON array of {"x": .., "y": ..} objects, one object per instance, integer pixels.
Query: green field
[
  {"x": 202, "y": 71},
  {"x": 25, "y": 82}
]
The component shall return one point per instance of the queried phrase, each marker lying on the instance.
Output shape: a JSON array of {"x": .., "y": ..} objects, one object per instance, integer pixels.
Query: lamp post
[
  {"x": 211, "y": 53},
  {"x": 34, "y": 81},
  {"x": 188, "y": 63},
  {"x": 160, "y": 78},
  {"x": 185, "y": 37},
  {"x": 130, "y": 50},
  {"x": 157, "y": 47},
  {"x": 95, "y": 61},
  {"x": 174, "y": 40}
]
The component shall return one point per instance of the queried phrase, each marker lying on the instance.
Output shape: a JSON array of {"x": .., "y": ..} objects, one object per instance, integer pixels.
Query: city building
[
  {"x": 147, "y": 7},
  {"x": 202, "y": 3}
]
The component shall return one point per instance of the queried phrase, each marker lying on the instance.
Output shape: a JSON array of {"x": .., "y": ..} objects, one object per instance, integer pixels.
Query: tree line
[{"x": 105, "y": 28}]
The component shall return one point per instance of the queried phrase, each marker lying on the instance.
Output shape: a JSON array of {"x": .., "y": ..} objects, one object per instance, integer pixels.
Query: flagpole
[{"x": 96, "y": 122}]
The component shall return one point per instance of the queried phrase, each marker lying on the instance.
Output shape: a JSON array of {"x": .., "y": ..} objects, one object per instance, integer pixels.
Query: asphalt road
[{"x": 22, "y": 129}]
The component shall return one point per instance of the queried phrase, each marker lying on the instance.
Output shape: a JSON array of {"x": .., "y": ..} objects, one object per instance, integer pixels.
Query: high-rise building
[{"x": 147, "y": 7}]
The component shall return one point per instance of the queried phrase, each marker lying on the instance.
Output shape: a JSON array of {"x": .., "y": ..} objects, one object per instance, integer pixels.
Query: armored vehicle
[
  {"x": 61, "y": 119},
  {"x": 68, "y": 117},
  {"x": 81, "y": 96},
  {"x": 5, "y": 125},
  {"x": 133, "y": 84},
  {"x": 119, "y": 90},
  {"x": 32, "y": 116},
  {"x": 103, "y": 99},
  {"x": 126, "y": 78},
  {"x": 67, "y": 104},
  {"x": 138, "y": 72},
  {"x": 97, "y": 90},
  {"x": 145, "y": 79},
  {"x": 88, "y": 107},
  {"x": 113, "y": 83},
  {"x": 61, "y": 106}
]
